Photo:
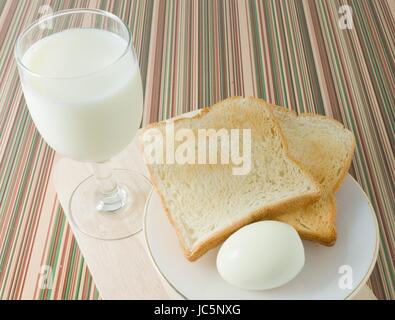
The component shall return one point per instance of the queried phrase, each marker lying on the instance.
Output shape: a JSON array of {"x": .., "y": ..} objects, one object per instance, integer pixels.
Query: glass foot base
[{"x": 115, "y": 221}]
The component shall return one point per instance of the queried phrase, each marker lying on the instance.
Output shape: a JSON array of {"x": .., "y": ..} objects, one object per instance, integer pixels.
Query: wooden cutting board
[{"x": 121, "y": 269}]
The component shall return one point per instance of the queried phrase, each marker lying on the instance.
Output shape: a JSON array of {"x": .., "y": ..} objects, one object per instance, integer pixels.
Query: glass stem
[{"x": 110, "y": 197}]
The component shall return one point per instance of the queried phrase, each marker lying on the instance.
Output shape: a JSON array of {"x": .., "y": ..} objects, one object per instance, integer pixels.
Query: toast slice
[
  {"x": 205, "y": 202},
  {"x": 325, "y": 148}
]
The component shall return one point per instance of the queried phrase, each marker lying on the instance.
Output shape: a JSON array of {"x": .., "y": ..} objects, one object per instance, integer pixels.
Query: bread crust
[
  {"x": 327, "y": 239},
  {"x": 219, "y": 236}
]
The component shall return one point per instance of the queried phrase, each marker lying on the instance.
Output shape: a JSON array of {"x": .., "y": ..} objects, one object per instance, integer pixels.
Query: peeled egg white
[{"x": 262, "y": 255}]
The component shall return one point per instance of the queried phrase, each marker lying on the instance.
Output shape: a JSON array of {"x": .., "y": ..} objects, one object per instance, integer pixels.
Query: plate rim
[{"x": 352, "y": 294}]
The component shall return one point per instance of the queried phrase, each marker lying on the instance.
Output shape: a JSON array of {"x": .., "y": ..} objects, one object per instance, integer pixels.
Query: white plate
[{"x": 356, "y": 249}]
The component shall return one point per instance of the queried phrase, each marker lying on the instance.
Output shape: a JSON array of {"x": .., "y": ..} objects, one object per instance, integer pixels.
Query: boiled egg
[{"x": 261, "y": 255}]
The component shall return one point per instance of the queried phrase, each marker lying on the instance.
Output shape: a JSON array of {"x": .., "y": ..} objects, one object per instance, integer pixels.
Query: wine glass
[{"x": 82, "y": 85}]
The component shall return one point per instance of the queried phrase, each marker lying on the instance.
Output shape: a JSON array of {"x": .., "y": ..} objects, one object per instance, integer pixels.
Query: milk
[{"x": 87, "y": 104}]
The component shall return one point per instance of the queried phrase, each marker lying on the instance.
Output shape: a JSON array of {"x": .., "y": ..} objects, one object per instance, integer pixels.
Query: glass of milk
[{"x": 82, "y": 85}]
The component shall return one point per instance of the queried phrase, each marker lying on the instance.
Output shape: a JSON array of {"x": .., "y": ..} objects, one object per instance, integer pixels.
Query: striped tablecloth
[{"x": 192, "y": 54}]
